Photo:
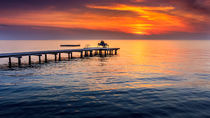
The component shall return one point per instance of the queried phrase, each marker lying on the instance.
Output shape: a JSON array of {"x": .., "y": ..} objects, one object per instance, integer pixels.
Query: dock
[{"x": 57, "y": 53}]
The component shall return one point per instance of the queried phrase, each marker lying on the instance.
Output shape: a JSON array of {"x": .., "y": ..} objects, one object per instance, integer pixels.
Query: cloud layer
[{"x": 136, "y": 17}]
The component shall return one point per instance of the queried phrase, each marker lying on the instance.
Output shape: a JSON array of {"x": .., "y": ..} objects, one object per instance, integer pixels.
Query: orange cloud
[{"x": 149, "y": 20}]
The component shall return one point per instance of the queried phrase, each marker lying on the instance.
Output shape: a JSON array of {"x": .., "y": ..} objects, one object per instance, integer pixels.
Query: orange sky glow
[{"x": 137, "y": 19}]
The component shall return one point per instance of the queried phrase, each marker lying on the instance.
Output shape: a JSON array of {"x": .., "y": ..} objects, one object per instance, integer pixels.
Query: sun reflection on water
[{"x": 139, "y": 64}]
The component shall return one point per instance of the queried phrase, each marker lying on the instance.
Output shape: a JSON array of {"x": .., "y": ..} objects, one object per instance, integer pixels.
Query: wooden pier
[{"x": 83, "y": 53}]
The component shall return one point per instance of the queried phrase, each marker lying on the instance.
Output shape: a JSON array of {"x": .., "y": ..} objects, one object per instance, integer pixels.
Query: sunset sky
[{"x": 125, "y": 19}]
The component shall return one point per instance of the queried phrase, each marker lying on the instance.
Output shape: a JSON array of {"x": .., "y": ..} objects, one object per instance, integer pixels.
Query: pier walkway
[{"x": 83, "y": 52}]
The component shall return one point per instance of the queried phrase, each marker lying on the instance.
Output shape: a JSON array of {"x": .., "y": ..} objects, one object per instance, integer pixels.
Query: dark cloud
[
  {"x": 10, "y": 7},
  {"x": 201, "y": 6},
  {"x": 198, "y": 6},
  {"x": 15, "y": 32},
  {"x": 53, "y": 4},
  {"x": 40, "y": 4},
  {"x": 195, "y": 6}
]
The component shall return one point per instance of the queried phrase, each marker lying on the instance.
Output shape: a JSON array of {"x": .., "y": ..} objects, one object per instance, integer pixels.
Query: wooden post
[
  {"x": 59, "y": 57},
  {"x": 55, "y": 56},
  {"x": 45, "y": 59},
  {"x": 69, "y": 56},
  {"x": 81, "y": 54},
  {"x": 19, "y": 61},
  {"x": 29, "y": 60},
  {"x": 10, "y": 62},
  {"x": 91, "y": 53},
  {"x": 40, "y": 60},
  {"x": 86, "y": 53},
  {"x": 100, "y": 52},
  {"x": 105, "y": 52}
]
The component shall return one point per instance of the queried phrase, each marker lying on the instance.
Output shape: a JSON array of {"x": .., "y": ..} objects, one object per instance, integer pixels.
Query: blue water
[{"x": 147, "y": 79}]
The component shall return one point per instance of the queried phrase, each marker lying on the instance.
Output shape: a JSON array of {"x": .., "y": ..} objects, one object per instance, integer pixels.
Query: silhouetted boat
[
  {"x": 103, "y": 44},
  {"x": 69, "y": 45}
]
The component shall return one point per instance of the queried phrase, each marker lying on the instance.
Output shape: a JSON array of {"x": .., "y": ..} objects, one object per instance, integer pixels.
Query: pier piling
[
  {"x": 86, "y": 53},
  {"x": 100, "y": 52},
  {"x": 81, "y": 55},
  {"x": 10, "y": 62},
  {"x": 55, "y": 57},
  {"x": 69, "y": 57},
  {"x": 29, "y": 60},
  {"x": 40, "y": 60},
  {"x": 45, "y": 59},
  {"x": 59, "y": 56},
  {"x": 19, "y": 61},
  {"x": 91, "y": 53},
  {"x": 105, "y": 52}
]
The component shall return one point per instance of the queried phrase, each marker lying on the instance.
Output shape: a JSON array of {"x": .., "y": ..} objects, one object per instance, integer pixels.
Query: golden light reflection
[
  {"x": 139, "y": 64},
  {"x": 100, "y": 87}
]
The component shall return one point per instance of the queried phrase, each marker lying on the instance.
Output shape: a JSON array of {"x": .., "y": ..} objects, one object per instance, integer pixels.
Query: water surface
[{"x": 148, "y": 78}]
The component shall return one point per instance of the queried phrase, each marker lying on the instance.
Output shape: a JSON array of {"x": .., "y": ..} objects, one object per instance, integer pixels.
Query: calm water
[{"x": 147, "y": 79}]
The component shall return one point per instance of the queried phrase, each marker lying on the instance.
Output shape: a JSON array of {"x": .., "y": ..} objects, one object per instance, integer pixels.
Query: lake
[{"x": 147, "y": 79}]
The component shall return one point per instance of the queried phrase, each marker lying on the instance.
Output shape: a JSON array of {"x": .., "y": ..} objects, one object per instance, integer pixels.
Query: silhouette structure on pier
[{"x": 102, "y": 43}]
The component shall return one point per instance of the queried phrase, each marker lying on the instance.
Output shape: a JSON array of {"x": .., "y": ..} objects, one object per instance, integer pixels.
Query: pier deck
[{"x": 87, "y": 51}]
